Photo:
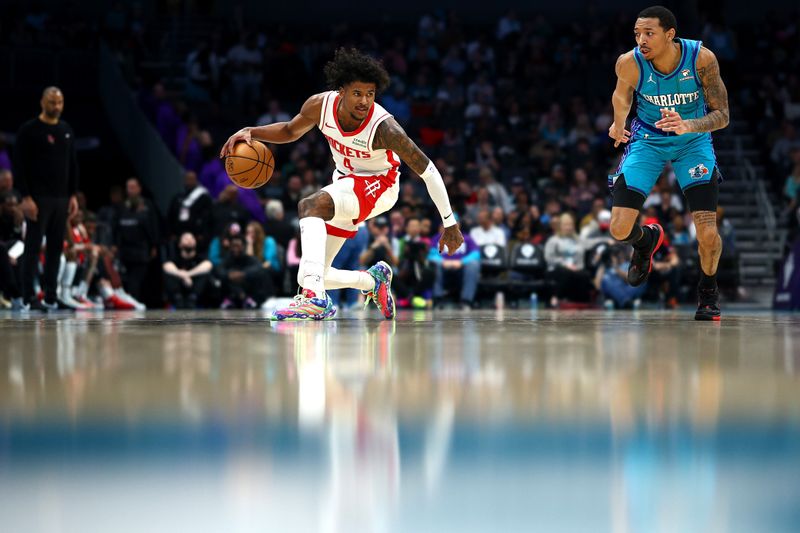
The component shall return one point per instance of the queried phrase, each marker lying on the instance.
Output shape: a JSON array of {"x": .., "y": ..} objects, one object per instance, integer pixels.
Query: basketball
[{"x": 248, "y": 166}]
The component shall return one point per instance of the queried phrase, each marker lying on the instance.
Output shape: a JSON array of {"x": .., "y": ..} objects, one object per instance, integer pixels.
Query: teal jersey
[
  {"x": 680, "y": 90},
  {"x": 692, "y": 154}
]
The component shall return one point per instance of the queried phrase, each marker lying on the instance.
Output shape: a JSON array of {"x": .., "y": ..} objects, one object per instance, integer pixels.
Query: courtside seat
[{"x": 527, "y": 270}]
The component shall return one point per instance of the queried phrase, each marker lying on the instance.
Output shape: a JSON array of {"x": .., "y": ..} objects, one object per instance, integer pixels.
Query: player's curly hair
[{"x": 349, "y": 65}]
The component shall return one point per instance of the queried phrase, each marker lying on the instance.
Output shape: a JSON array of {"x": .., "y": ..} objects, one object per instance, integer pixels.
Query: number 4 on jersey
[{"x": 347, "y": 164}]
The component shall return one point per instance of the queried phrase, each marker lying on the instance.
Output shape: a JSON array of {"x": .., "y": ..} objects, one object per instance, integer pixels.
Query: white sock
[
  {"x": 348, "y": 279},
  {"x": 312, "y": 264},
  {"x": 69, "y": 276}
]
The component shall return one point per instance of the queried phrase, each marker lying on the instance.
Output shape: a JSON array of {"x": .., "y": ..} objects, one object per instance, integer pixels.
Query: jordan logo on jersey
[{"x": 373, "y": 188}]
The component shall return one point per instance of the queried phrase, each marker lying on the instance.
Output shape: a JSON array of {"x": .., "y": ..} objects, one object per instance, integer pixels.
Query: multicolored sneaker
[
  {"x": 306, "y": 306},
  {"x": 382, "y": 293}
]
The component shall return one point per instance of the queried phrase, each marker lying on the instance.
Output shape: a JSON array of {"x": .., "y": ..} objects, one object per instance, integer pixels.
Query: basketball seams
[
  {"x": 268, "y": 160},
  {"x": 243, "y": 157},
  {"x": 254, "y": 149},
  {"x": 252, "y": 183},
  {"x": 245, "y": 170}
]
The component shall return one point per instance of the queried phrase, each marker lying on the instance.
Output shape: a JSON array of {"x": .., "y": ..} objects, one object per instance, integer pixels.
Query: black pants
[
  {"x": 133, "y": 277},
  {"x": 414, "y": 278},
  {"x": 672, "y": 279},
  {"x": 180, "y": 295},
  {"x": 52, "y": 223},
  {"x": 572, "y": 285},
  {"x": 256, "y": 285},
  {"x": 8, "y": 279}
]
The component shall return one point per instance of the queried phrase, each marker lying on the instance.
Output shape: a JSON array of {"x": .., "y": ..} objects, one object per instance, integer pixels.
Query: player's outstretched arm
[
  {"x": 622, "y": 99},
  {"x": 391, "y": 136},
  {"x": 280, "y": 132}
]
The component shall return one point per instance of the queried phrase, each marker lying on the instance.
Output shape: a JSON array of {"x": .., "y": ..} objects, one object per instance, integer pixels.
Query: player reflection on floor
[{"x": 343, "y": 391}]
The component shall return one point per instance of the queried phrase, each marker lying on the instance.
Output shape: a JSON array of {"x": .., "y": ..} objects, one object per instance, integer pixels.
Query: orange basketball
[{"x": 248, "y": 166}]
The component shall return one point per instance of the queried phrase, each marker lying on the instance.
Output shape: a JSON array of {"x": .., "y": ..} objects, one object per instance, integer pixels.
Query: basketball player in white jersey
[{"x": 367, "y": 145}]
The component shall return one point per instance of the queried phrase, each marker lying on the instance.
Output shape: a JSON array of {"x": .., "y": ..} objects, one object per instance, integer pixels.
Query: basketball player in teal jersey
[{"x": 680, "y": 99}]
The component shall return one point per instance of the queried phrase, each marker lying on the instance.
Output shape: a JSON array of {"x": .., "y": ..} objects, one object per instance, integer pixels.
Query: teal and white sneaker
[
  {"x": 382, "y": 293},
  {"x": 307, "y": 306}
]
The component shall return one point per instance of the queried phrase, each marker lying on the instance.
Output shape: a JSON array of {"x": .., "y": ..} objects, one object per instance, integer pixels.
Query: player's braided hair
[{"x": 349, "y": 65}]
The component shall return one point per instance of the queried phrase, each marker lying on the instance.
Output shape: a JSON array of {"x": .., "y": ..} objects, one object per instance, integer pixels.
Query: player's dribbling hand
[
  {"x": 619, "y": 134},
  {"x": 671, "y": 121},
  {"x": 243, "y": 135},
  {"x": 451, "y": 238}
]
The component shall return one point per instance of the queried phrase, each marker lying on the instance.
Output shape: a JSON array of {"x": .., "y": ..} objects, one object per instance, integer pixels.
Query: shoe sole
[
  {"x": 655, "y": 249},
  {"x": 304, "y": 319},
  {"x": 707, "y": 318},
  {"x": 295, "y": 319}
]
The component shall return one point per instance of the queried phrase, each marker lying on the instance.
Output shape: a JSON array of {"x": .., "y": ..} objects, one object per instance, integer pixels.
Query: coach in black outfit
[{"x": 46, "y": 169}]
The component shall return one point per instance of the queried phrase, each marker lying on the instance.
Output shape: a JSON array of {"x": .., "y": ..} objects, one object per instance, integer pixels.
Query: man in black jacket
[
  {"x": 186, "y": 273},
  {"x": 190, "y": 211},
  {"x": 46, "y": 169},
  {"x": 136, "y": 235}
]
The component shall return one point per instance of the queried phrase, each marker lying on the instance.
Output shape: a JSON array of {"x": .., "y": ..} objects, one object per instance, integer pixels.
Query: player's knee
[
  {"x": 306, "y": 207},
  {"x": 620, "y": 229},
  {"x": 318, "y": 205}
]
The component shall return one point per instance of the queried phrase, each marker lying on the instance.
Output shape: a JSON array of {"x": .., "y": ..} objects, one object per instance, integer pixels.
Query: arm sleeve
[{"x": 438, "y": 193}]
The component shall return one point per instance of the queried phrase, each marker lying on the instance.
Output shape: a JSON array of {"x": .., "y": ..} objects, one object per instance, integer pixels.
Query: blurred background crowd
[{"x": 514, "y": 111}]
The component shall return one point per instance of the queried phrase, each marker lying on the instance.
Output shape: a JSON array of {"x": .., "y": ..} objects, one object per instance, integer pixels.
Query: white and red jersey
[{"x": 352, "y": 150}]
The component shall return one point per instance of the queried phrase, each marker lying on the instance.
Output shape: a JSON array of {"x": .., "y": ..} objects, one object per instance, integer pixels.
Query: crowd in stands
[{"x": 514, "y": 114}]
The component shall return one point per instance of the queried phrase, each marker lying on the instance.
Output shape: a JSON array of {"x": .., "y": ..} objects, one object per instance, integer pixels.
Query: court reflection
[
  {"x": 559, "y": 367},
  {"x": 486, "y": 421}
]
